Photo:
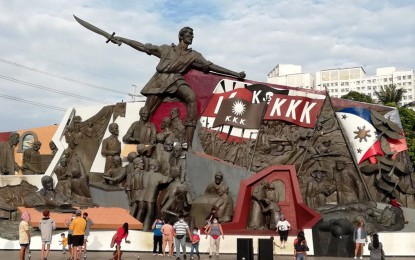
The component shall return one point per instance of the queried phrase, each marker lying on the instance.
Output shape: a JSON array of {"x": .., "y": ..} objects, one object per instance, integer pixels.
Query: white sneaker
[
  {"x": 361, "y": 257},
  {"x": 355, "y": 257}
]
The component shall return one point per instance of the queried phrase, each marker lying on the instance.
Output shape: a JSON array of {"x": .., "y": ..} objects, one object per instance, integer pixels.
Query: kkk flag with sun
[{"x": 240, "y": 113}]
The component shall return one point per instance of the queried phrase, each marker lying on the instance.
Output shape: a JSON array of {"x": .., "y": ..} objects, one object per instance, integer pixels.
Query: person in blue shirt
[{"x": 158, "y": 236}]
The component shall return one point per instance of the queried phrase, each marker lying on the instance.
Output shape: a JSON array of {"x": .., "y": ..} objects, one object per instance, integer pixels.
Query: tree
[
  {"x": 407, "y": 116},
  {"x": 389, "y": 95},
  {"x": 356, "y": 96}
]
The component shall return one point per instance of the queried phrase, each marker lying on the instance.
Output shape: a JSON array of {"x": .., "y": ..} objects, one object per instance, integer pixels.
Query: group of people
[
  {"x": 46, "y": 227},
  {"x": 78, "y": 233},
  {"x": 76, "y": 241},
  {"x": 360, "y": 239},
  {"x": 164, "y": 235},
  {"x": 174, "y": 235}
]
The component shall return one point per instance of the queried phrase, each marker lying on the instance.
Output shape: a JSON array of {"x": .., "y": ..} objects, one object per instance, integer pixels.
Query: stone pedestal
[{"x": 112, "y": 198}]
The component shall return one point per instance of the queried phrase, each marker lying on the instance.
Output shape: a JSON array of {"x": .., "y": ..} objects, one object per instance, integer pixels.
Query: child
[
  {"x": 195, "y": 244},
  {"x": 63, "y": 242},
  {"x": 46, "y": 226}
]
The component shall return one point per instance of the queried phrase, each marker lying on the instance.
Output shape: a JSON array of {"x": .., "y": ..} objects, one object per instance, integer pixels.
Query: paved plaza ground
[{"x": 14, "y": 254}]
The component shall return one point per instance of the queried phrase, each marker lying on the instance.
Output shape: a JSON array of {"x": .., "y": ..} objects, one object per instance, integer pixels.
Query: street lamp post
[{"x": 134, "y": 91}]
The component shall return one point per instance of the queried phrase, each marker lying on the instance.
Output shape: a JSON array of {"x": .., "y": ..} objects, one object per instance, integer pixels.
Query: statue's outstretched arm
[
  {"x": 132, "y": 43},
  {"x": 222, "y": 70}
]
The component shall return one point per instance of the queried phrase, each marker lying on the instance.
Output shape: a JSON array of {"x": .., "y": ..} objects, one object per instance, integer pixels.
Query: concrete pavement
[{"x": 14, "y": 254}]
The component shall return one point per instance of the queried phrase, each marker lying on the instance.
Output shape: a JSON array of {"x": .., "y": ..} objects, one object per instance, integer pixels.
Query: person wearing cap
[
  {"x": 282, "y": 227},
  {"x": 46, "y": 226},
  {"x": 24, "y": 234},
  {"x": 78, "y": 227}
]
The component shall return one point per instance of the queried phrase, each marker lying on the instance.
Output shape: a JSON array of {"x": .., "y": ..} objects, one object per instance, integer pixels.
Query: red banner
[
  {"x": 298, "y": 110},
  {"x": 216, "y": 100}
]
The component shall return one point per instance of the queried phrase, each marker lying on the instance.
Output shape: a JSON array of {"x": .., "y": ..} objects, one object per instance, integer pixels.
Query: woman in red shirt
[{"x": 121, "y": 234}]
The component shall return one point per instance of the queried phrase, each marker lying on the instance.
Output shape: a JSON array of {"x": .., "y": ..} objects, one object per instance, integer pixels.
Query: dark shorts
[
  {"x": 77, "y": 240},
  {"x": 24, "y": 245},
  {"x": 70, "y": 239},
  {"x": 283, "y": 235}
]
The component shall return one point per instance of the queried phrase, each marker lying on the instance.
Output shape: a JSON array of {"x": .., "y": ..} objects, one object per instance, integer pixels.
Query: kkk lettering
[
  {"x": 239, "y": 113},
  {"x": 301, "y": 111}
]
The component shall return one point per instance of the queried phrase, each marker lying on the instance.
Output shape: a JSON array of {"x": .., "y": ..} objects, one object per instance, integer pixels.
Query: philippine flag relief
[{"x": 360, "y": 132}]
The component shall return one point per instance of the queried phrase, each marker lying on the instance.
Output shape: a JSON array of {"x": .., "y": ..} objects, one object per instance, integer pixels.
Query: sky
[{"x": 52, "y": 63}]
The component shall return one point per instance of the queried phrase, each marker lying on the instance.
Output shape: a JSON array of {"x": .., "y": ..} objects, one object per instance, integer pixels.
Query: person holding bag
[
  {"x": 181, "y": 228},
  {"x": 376, "y": 249},
  {"x": 300, "y": 249}
]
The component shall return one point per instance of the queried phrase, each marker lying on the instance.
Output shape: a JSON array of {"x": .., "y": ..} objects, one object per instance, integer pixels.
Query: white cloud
[{"x": 249, "y": 35}]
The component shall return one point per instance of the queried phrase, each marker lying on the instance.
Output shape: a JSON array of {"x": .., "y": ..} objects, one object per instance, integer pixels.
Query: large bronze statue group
[{"x": 154, "y": 176}]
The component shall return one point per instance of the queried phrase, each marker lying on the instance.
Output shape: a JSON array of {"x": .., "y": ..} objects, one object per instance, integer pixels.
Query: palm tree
[{"x": 389, "y": 94}]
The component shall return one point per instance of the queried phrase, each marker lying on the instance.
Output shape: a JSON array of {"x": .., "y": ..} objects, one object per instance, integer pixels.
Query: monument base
[
  {"x": 109, "y": 198},
  {"x": 103, "y": 218}
]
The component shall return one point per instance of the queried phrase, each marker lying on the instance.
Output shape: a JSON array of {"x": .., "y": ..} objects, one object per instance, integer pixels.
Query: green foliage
[
  {"x": 408, "y": 123},
  {"x": 389, "y": 94},
  {"x": 356, "y": 96}
]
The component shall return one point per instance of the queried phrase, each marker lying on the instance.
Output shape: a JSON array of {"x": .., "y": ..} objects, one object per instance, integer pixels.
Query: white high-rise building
[
  {"x": 339, "y": 82},
  {"x": 291, "y": 75}
]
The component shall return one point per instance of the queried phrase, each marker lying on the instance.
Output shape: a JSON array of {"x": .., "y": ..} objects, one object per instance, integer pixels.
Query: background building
[
  {"x": 340, "y": 81},
  {"x": 291, "y": 75}
]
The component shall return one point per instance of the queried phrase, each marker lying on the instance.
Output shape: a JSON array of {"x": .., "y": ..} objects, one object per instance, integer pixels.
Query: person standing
[
  {"x": 77, "y": 226},
  {"x": 195, "y": 243},
  {"x": 360, "y": 238},
  {"x": 283, "y": 226},
  {"x": 46, "y": 226},
  {"x": 158, "y": 236},
  {"x": 180, "y": 229},
  {"x": 122, "y": 233},
  {"x": 376, "y": 249},
  {"x": 215, "y": 231},
  {"x": 167, "y": 231},
  {"x": 24, "y": 234},
  {"x": 300, "y": 249},
  {"x": 89, "y": 224}
]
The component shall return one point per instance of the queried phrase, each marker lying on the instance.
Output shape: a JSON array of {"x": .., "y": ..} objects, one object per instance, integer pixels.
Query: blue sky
[{"x": 249, "y": 35}]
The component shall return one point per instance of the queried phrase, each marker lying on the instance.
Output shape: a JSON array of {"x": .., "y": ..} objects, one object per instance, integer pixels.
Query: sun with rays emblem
[
  {"x": 238, "y": 108},
  {"x": 362, "y": 133}
]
